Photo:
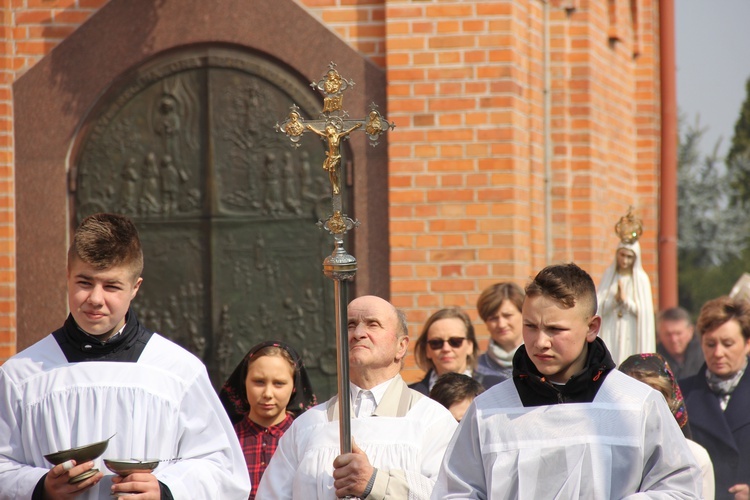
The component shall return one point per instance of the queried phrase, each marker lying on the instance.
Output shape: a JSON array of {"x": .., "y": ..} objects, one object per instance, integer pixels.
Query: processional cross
[{"x": 334, "y": 126}]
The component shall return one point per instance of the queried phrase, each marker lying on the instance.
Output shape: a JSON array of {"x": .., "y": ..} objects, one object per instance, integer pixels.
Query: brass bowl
[
  {"x": 126, "y": 467},
  {"x": 80, "y": 454}
]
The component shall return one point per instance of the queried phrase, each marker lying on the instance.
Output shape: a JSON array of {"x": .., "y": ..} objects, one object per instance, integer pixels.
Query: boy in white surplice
[
  {"x": 567, "y": 425},
  {"x": 104, "y": 374}
]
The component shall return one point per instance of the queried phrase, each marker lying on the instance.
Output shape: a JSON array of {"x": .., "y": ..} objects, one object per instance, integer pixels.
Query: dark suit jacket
[
  {"x": 725, "y": 435},
  {"x": 693, "y": 359},
  {"x": 423, "y": 386}
]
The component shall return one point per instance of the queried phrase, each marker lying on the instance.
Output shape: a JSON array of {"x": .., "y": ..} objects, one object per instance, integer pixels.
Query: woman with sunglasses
[{"x": 446, "y": 344}]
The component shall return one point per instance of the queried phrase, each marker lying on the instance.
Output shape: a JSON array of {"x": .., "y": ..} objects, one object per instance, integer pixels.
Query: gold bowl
[
  {"x": 80, "y": 454},
  {"x": 126, "y": 467}
]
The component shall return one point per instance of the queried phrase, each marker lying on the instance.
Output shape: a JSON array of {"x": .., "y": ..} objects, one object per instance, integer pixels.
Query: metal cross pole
[{"x": 334, "y": 126}]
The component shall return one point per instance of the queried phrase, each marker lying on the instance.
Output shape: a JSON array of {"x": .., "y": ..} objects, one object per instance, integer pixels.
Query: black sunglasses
[{"x": 454, "y": 342}]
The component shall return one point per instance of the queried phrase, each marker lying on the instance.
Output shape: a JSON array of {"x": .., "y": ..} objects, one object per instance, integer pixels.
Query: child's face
[
  {"x": 556, "y": 338},
  {"x": 269, "y": 385},
  {"x": 99, "y": 299}
]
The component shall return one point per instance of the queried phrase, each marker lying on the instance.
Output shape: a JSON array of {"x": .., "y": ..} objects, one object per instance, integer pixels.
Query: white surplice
[
  {"x": 161, "y": 407},
  {"x": 405, "y": 439},
  {"x": 626, "y": 442}
]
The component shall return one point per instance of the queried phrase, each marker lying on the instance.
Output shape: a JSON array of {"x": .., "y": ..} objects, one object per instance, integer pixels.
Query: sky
[{"x": 712, "y": 42}]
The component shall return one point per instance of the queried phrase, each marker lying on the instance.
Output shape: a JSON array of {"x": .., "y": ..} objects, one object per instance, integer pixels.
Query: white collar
[{"x": 377, "y": 392}]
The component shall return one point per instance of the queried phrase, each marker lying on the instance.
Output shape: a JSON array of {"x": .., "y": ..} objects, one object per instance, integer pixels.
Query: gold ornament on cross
[{"x": 334, "y": 125}]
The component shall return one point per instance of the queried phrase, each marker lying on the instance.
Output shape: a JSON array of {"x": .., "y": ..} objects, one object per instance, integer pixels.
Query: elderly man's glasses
[{"x": 455, "y": 342}]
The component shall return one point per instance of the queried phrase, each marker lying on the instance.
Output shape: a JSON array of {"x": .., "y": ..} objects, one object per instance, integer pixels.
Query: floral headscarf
[
  {"x": 654, "y": 365},
  {"x": 233, "y": 394}
]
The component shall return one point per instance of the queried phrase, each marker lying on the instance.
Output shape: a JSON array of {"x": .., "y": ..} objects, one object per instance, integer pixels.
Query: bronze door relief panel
[{"x": 225, "y": 206}]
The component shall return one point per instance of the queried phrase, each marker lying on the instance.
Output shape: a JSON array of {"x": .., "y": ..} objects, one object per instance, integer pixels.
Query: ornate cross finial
[{"x": 334, "y": 126}]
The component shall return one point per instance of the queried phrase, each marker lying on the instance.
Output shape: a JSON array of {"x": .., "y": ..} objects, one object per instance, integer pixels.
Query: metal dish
[
  {"x": 80, "y": 454},
  {"x": 129, "y": 466}
]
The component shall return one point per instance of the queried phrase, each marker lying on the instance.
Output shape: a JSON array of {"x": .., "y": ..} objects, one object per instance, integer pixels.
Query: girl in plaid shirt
[{"x": 267, "y": 390}]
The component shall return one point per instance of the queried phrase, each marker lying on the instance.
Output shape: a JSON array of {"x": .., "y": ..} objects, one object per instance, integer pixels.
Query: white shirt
[
  {"x": 624, "y": 442},
  {"x": 365, "y": 401},
  {"x": 161, "y": 407}
]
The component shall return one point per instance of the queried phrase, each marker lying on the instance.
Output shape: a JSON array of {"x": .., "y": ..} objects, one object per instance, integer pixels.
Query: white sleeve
[
  {"x": 17, "y": 478},
  {"x": 669, "y": 468},
  {"x": 212, "y": 463},
  {"x": 418, "y": 485},
  {"x": 462, "y": 471}
]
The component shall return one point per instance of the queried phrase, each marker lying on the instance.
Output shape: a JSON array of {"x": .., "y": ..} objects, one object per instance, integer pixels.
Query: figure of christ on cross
[{"x": 332, "y": 163}]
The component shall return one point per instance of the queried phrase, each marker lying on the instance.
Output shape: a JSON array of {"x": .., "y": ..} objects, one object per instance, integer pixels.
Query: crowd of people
[{"x": 573, "y": 397}]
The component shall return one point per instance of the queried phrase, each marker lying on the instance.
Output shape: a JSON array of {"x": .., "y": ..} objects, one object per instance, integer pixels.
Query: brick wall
[
  {"x": 30, "y": 30},
  {"x": 466, "y": 88},
  {"x": 468, "y": 183},
  {"x": 7, "y": 227}
]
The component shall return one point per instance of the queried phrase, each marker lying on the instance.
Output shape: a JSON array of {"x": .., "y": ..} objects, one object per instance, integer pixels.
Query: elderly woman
[
  {"x": 499, "y": 306},
  {"x": 718, "y": 397},
  {"x": 447, "y": 344}
]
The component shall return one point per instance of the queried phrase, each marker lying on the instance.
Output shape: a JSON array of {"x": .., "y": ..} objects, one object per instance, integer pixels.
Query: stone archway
[{"x": 54, "y": 98}]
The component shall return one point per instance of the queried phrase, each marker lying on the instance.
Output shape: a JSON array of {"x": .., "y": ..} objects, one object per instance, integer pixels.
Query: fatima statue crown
[{"x": 629, "y": 228}]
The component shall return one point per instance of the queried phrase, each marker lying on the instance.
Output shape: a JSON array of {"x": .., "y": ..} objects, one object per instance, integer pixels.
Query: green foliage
[
  {"x": 700, "y": 284},
  {"x": 712, "y": 224},
  {"x": 739, "y": 154},
  {"x": 741, "y": 138}
]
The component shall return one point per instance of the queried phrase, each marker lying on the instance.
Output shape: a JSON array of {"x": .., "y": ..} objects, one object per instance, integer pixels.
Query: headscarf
[
  {"x": 653, "y": 364},
  {"x": 646, "y": 341},
  {"x": 233, "y": 394}
]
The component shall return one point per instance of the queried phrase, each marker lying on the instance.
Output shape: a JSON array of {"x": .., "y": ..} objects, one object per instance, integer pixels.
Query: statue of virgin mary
[{"x": 624, "y": 296}]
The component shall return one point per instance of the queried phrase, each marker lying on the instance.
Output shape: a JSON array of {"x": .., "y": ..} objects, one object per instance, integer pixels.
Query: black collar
[
  {"x": 127, "y": 346},
  {"x": 535, "y": 390}
]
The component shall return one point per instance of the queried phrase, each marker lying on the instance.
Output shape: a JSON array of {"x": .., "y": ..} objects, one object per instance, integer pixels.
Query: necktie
[{"x": 365, "y": 405}]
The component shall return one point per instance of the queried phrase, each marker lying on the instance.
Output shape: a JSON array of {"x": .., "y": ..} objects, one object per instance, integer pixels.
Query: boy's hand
[
  {"x": 56, "y": 486},
  {"x": 741, "y": 491},
  {"x": 351, "y": 473},
  {"x": 144, "y": 484}
]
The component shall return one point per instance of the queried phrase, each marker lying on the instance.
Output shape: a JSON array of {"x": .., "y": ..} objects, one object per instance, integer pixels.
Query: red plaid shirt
[{"x": 259, "y": 444}]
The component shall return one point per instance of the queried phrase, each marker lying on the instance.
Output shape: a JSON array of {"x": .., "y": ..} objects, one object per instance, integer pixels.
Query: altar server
[
  {"x": 104, "y": 374},
  {"x": 568, "y": 425}
]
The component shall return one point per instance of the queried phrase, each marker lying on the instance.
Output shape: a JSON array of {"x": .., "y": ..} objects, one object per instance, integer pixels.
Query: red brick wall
[
  {"x": 466, "y": 88},
  {"x": 30, "y": 30},
  {"x": 7, "y": 227},
  {"x": 467, "y": 170}
]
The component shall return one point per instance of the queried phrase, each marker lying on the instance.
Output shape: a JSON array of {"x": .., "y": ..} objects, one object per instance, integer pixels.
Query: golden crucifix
[{"x": 334, "y": 126}]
